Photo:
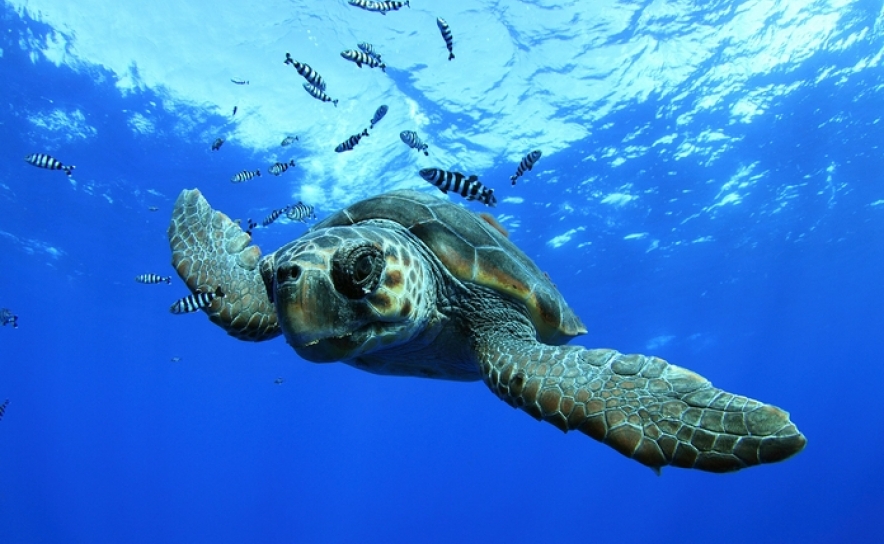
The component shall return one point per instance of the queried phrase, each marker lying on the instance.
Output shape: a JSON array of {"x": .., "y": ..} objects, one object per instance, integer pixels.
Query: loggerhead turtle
[{"x": 412, "y": 285}]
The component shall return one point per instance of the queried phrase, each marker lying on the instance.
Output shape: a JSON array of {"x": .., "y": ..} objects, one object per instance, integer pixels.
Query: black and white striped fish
[
  {"x": 378, "y": 115},
  {"x": 216, "y": 145},
  {"x": 3, "y": 408},
  {"x": 384, "y": 7},
  {"x": 361, "y": 58},
  {"x": 288, "y": 140},
  {"x": 239, "y": 81},
  {"x": 43, "y": 160},
  {"x": 245, "y": 175},
  {"x": 152, "y": 279},
  {"x": 281, "y": 167},
  {"x": 252, "y": 225},
  {"x": 274, "y": 215},
  {"x": 308, "y": 73},
  {"x": 468, "y": 187},
  {"x": 446, "y": 35},
  {"x": 369, "y": 50},
  {"x": 196, "y": 301},
  {"x": 319, "y": 94},
  {"x": 526, "y": 164},
  {"x": 411, "y": 140},
  {"x": 381, "y": 7},
  {"x": 300, "y": 212},
  {"x": 351, "y": 142}
]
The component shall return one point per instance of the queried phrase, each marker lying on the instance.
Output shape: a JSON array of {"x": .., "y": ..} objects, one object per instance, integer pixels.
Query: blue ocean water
[{"x": 710, "y": 192}]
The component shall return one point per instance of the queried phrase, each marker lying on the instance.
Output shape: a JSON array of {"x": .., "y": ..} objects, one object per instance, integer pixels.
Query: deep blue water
[{"x": 106, "y": 439}]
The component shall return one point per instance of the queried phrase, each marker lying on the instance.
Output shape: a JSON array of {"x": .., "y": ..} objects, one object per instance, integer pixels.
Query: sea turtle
[{"x": 406, "y": 283}]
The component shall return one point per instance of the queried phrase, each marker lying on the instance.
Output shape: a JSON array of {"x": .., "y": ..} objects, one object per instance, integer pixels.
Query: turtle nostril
[{"x": 287, "y": 272}]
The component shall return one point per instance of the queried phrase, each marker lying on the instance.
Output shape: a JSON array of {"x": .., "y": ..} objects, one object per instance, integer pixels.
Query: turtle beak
[{"x": 314, "y": 318}]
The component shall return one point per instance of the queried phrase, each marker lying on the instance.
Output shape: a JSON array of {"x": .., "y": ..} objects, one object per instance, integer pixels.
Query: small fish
[
  {"x": 366, "y": 5},
  {"x": 252, "y": 225},
  {"x": 216, "y": 145},
  {"x": 308, "y": 73},
  {"x": 153, "y": 209},
  {"x": 5, "y": 404},
  {"x": 234, "y": 110},
  {"x": 526, "y": 164},
  {"x": 300, "y": 212},
  {"x": 384, "y": 7},
  {"x": 361, "y": 58},
  {"x": 175, "y": 359},
  {"x": 153, "y": 278},
  {"x": 245, "y": 175},
  {"x": 368, "y": 49},
  {"x": 288, "y": 140},
  {"x": 274, "y": 215},
  {"x": 446, "y": 35},
  {"x": 281, "y": 167},
  {"x": 8, "y": 318},
  {"x": 378, "y": 115},
  {"x": 468, "y": 187},
  {"x": 351, "y": 142},
  {"x": 196, "y": 301},
  {"x": 278, "y": 381},
  {"x": 411, "y": 140},
  {"x": 239, "y": 81},
  {"x": 319, "y": 94},
  {"x": 42, "y": 160}
]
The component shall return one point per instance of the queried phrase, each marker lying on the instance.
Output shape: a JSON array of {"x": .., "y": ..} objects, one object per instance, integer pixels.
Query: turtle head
[{"x": 346, "y": 292}]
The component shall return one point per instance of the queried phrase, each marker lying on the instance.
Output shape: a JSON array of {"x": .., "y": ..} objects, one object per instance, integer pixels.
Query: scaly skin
[
  {"x": 654, "y": 412},
  {"x": 208, "y": 251}
]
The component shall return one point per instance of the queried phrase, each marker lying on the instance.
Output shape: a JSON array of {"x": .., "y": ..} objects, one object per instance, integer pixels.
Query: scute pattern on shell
[{"x": 474, "y": 252}]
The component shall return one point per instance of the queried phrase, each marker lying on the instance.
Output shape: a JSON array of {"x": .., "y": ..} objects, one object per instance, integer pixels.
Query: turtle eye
[{"x": 356, "y": 270}]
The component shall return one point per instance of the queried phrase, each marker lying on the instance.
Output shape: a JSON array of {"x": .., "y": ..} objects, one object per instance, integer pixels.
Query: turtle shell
[{"x": 473, "y": 251}]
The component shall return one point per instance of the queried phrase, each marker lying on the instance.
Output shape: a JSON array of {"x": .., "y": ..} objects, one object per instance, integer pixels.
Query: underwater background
[{"x": 710, "y": 191}]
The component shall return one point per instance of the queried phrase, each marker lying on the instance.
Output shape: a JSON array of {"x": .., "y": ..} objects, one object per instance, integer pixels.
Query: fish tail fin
[
  {"x": 218, "y": 292},
  {"x": 383, "y": 68},
  {"x": 258, "y": 172},
  {"x": 292, "y": 162},
  {"x": 168, "y": 279},
  {"x": 68, "y": 169},
  {"x": 335, "y": 102},
  {"x": 426, "y": 153},
  {"x": 365, "y": 132},
  {"x": 450, "y": 56}
]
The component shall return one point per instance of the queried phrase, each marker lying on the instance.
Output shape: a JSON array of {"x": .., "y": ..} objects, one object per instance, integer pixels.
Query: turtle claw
[{"x": 210, "y": 251}]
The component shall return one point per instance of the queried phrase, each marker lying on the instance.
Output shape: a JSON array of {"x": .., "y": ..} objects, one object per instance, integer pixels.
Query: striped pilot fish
[
  {"x": 152, "y": 279},
  {"x": 245, "y": 175},
  {"x": 411, "y": 140},
  {"x": 351, "y": 142},
  {"x": 369, "y": 50},
  {"x": 300, "y": 212},
  {"x": 446, "y": 35},
  {"x": 196, "y": 301},
  {"x": 3, "y": 408},
  {"x": 281, "y": 167},
  {"x": 361, "y": 58},
  {"x": 382, "y": 7},
  {"x": 308, "y": 73},
  {"x": 378, "y": 115},
  {"x": 319, "y": 94},
  {"x": 43, "y": 160},
  {"x": 274, "y": 215},
  {"x": 468, "y": 187},
  {"x": 526, "y": 164}
]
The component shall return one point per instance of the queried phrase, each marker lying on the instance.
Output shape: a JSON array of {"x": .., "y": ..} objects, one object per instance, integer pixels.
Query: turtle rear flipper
[
  {"x": 647, "y": 409},
  {"x": 209, "y": 251}
]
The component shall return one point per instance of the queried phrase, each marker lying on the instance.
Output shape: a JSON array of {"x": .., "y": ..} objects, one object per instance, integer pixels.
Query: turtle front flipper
[
  {"x": 647, "y": 409},
  {"x": 211, "y": 251}
]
